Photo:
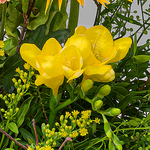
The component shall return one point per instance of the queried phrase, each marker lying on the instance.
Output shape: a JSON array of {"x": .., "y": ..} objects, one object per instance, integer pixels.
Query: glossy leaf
[
  {"x": 22, "y": 111},
  {"x": 13, "y": 127}
]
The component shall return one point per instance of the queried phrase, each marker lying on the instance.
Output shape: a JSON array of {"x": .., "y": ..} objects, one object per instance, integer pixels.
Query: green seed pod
[
  {"x": 105, "y": 90},
  {"x": 86, "y": 85},
  {"x": 98, "y": 104}
]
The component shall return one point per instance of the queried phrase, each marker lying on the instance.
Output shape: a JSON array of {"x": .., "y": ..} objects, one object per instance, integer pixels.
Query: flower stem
[
  {"x": 24, "y": 147},
  {"x": 34, "y": 127},
  {"x": 3, "y": 20},
  {"x": 66, "y": 139},
  {"x": 74, "y": 14},
  {"x": 53, "y": 113}
]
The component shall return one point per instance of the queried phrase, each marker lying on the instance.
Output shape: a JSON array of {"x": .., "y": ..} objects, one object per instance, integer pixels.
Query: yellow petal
[
  {"x": 122, "y": 45},
  {"x": 82, "y": 43},
  {"x": 81, "y": 2},
  {"x": 80, "y": 30},
  {"x": 51, "y": 47},
  {"x": 103, "y": 1},
  {"x": 59, "y": 4},
  {"x": 71, "y": 74},
  {"x": 103, "y": 73},
  {"x": 130, "y": 1},
  {"x": 50, "y": 66},
  {"x": 90, "y": 61},
  {"x": 29, "y": 52},
  {"x": 101, "y": 40},
  {"x": 1, "y": 44},
  {"x": 51, "y": 82},
  {"x": 71, "y": 57}
]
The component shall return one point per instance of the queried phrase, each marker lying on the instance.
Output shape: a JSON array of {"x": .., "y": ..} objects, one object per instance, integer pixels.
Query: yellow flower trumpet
[{"x": 45, "y": 61}]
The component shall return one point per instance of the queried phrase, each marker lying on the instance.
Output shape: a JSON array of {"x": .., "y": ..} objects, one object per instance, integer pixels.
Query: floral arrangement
[{"x": 64, "y": 86}]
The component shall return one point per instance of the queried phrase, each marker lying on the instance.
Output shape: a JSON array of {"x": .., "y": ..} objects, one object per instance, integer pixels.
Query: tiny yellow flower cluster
[
  {"x": 72, "y": 124},
  {"x": 22, "y": 85},
  {"x": 1, "y": 46},
  {"x": 46, "y": 147}
]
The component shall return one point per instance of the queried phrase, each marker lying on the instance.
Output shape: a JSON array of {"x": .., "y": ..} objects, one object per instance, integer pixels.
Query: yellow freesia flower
[
  {"x": 51, "y": 71},
  {"x": 103, "y": 51},
  {"x": 71, "y": 61}
]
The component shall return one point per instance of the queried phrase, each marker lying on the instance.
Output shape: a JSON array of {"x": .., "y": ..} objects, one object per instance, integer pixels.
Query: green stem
[
  {"x": 53, "y": 114},
  {"x": 3, "y": 20},
  {"x": 3, "y": 136},
  {"x": 74, "y": 14}
]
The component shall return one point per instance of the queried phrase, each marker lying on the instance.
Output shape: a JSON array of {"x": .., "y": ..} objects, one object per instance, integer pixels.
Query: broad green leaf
[
  {"x": 22, "y": 111},
  {"x": 123, "y": 103},
  {"x": 8, "y": 71},
  {"x": 41, "y": 19},
  {"x": 27, "y": 135},
  {"x": 14, "y": 19},
  {"x": 142, "y": 58},
  {"x": 13, "y": 127},
  {"x": 38, "y": 36},
  {"x": 9, "y": 149}
]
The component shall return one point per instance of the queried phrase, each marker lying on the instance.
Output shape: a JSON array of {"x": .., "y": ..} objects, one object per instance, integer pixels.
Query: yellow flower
[
  {"x": 75, "y": 113},
  {"x": 103, "y": 1},
  {"x": 29, "y": 148},
  {"x": 1, "y": 44},
  {"x": 71, "y": 61},
  {"x": 45, "y": 61},
  {"x": 75, "y": 134},
  {"x": 2, "y": 53},
  {"x": 97, "y": 120},
  {"x": 67, "y": 114},
  {"x": 103, "y": 51},
  {"x": 83, "y": 131},
  {"x": 26, "y": 66}
]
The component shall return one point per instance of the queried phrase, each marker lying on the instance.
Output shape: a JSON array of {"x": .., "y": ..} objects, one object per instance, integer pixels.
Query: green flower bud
[
  {"x": 2, "y": 110},
  {"x": 61, "y": 118},
  {"x": 105, "y": 90},
  {"x": 86, "y": 85},
  {"x": 1, "y": 96},
  {"x": 115, "y": 111},
  {"x": 112, "y": 112},
  {"x": 19, "y": 81},
  {"x": 98, "y": 104},
  {"x": 17, "y": 109}
]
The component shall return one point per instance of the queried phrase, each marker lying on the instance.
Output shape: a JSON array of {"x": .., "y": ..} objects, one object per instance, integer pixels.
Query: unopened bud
[
  {"x": 105, "y": 90},
  {"x": 98, "y": 104},
  {"x": 112, "y": 112},
  {"x": 86, "y": 85}
]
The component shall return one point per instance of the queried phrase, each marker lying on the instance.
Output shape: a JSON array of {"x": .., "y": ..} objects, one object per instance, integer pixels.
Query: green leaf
[
  {"x": 39, "y": 38},
  {"x": 41, "y": 19},
  {"x": 27, "y": 135},
  {"x": 8, "y": 72},
  {"x": 22, "y": 111},
  {"x": 53, "y": 101},
  {"x": 14, "y": 19},
  {"x": 142, "y": 58},
  {"x": 117, "y": 142},
  {"x": 107, "y": 128},
  {"x": 9, "y": 149},
  {"x": 13, "y": 127},
  {"x": 123, "y": 103}
]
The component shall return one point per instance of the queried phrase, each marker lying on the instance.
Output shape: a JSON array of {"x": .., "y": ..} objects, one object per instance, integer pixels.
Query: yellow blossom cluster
[
  {"x": 87, "y": 52},
  {"x": 22, "y": 85},
  {"x": 72, "y": 124},
  {"x": 1, "y": 46},
  {"x": 46, "y": 147}
]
